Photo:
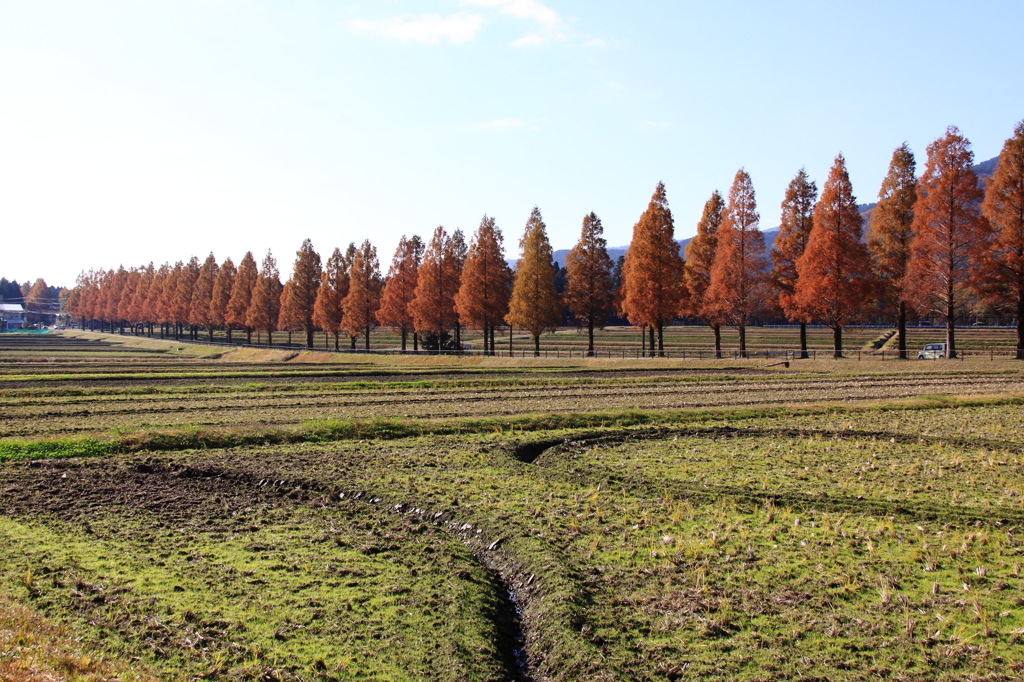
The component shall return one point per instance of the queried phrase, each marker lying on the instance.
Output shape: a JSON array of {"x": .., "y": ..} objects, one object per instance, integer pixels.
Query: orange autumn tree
[
  {"x": 534, "y": 304},
  {"x": 589, "y": 294},
  {"x": 700, "y": 256},
  {"x": 364, "y": 290},
  {"x": 124, "y": 305},
  {"x": 327, "y": 313},
  {"x": 185, "y": 287},
  {"x": 653, "y": 271},
  {"x": 241, "y": 296},
  {"x": 95, "y": 298},
  {"x": 289, "y": 319},
  {"x": 103, "y": 287},
  {"x": 739, "y": 287},
  {"x": 113, "y": 285},
  {"x": 202, "y": 296},
  {"x": 74, "y": 304},
  {"x": 101, "y": 292},
  {"x": 834, "y": 279},
  {"x": 166, "y": 305},
  {"x": 79, "y": 304},
  {"x": 483, "y": 296},
  {"x": 889, "y": 234},
  {"x": 437, "y": 281},
  {"x": 152, "y": 310},
  {"x": 794, "y": 231},
  {"x": 265, "y": 306},
  {"x": 948, "y": 226},
  {"x": 222, "y": 287},
  {"x": 305, "y": 281},
  {"x": 400, "y": 288},
  {"x": 93, "y": 303},
  {"x": 137, "y": 311},
  {"x": 456, "y": 255},
  {"x": 1000, "y": 261}
]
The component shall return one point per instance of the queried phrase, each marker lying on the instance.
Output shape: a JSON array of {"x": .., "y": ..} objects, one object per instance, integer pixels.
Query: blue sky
[{"x": 133, "y": 131}]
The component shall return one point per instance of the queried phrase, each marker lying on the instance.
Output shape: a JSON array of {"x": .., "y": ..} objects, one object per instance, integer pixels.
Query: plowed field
[{"x": 721, "y": 522}]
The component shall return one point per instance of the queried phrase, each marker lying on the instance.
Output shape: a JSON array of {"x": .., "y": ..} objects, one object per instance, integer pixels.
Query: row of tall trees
[
  {"x": 433, "y": 290},
  {"x": 931, "y": 241},
  {"x": 932, "y": 244}
]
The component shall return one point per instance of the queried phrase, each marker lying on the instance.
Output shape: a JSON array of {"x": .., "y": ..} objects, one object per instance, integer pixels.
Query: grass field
[{"x": 253, "y": 514}]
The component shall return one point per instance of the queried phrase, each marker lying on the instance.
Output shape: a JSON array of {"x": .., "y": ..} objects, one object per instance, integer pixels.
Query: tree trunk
[
  {"x": 803, "y": 341},
  {"x": 486, "y": 327},
  {"x": 458, "y": 336},
  {"x": 309, "y": 338},
  {"x": 270, "y": 337},
  {"x": 510, "y": 340},
  {"x": 950, "y": 329},
  {"x": 289, "y": 337},
  {"x": 415, "y": 342},
  {"x": 211, "y": 334},
  {"x": 353, "y": 340},
  {"x": 718, "y": 340},
  {"x": 337, "y": 346},
  {"x": 837, "y": 341},
  {"x": 404, "y": 333},
  {"x": 1020, "y": 327},
  {"x": 590, "y": 336},
  {"x": 643, "y": 340},
  {"x": 661, "y": 340},
  {"x": 248, "y": 335},
  {"x": 536, "y": 345},
  {"x": 901, "y": 331},
  {"x": 651, "y": 339},
  {"x": 227, "y": 330},
  {"x": 367, "y": 343},
  {"x": 743, "y": 340}
]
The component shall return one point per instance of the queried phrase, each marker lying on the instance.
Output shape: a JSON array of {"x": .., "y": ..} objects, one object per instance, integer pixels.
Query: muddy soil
[{"x": 230, "y": 494}]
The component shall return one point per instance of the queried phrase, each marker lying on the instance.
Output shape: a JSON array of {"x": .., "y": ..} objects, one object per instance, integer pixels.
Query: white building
[{"x": 12, "y": 316}]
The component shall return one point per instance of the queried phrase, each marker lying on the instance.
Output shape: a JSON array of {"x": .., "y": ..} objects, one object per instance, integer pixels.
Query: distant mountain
[{"x": 984, "y": 171}]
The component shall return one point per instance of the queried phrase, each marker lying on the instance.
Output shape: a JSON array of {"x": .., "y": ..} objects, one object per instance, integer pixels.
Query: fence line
[{"x": 782, "y": 355}]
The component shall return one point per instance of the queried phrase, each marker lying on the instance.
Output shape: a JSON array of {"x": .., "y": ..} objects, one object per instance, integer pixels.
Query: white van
[{"x": 933, "y": 351}]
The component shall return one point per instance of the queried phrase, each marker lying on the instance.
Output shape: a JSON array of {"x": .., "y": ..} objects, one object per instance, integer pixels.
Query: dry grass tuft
[{"x": 32, "y": 650}]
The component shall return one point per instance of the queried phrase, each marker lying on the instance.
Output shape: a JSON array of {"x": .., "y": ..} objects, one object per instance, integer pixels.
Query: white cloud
[
  {"x": 523, "y": 9},
  {"x": 550, "y": 25},
  {"x": 427, "y": 29},
  {"x": 595, "y": 42}
]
